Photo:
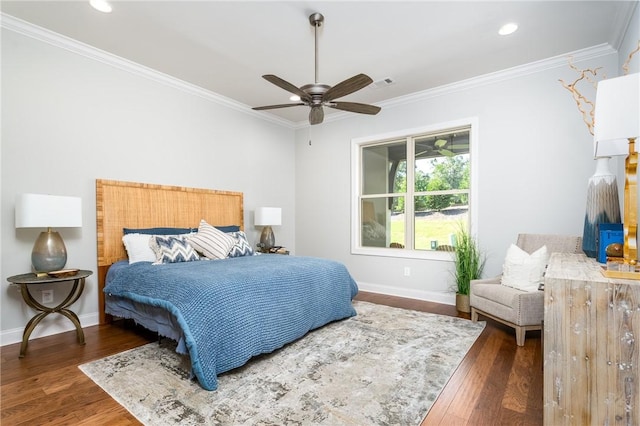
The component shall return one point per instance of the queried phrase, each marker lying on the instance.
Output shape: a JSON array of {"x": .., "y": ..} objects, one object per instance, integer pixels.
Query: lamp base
[
  {"x": 626, "y": 275},
  {"x": 267, "y": 239},
  {"x": 49, "y": 252}
]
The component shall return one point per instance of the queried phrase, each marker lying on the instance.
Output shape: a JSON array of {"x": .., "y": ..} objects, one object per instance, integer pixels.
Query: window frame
[{"x": 356, "y": 180}]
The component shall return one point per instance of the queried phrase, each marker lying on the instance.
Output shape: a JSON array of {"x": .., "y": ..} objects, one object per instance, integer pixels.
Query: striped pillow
[{"x": 211, "y": 242}]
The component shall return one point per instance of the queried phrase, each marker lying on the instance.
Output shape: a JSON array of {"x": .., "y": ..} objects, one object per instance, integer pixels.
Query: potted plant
[{"x": 469, "y": 263}]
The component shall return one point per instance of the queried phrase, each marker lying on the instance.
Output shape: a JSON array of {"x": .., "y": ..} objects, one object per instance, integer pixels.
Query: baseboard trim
[
  {"x": 446, "y": 298},
  {"x": 49, "y": 326}
]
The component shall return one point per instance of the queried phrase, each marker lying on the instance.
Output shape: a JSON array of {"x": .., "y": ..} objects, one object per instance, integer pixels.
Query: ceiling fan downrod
[{"x": 316, "y": 20}]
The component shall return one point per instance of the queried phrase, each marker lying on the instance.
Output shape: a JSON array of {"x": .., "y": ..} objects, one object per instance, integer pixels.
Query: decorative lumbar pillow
[
  {"x": 211, "y": 242},
  {"x": 241, "y": 247},
  {"x": 172, "y": 249},
  {"x": 522, "y": 270},
  {"x": 138, "y": 248}
]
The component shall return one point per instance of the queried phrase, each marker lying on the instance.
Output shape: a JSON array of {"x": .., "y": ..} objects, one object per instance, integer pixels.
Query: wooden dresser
[{"x": 591, "y": 345}]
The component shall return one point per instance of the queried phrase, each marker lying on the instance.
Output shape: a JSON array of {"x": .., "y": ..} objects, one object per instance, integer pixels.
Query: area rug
[{"x": 385, "y": 366}]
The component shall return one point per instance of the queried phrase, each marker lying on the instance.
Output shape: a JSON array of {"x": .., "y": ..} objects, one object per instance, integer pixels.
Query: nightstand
[
  {"x": 25, "y": 280},
  {"x": 285, "y": 252},
  {"x": 273, "y": 250}
]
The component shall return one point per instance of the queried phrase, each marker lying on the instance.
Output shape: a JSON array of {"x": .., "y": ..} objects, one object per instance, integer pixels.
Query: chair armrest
[{"x": 528, "y": 297}]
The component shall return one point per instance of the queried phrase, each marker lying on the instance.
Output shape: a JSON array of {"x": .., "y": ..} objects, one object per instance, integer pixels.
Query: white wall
[
  {"x": 535, "y": 157},
  {"x": 68, "y": 120}
]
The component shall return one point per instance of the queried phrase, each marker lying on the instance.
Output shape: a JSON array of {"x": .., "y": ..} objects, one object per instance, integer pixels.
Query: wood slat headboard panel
[{"x": 140, "y": 205}]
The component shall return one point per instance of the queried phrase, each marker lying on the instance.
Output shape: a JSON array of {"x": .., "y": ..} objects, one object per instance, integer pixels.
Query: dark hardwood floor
[{"x": 497, "y": 382}]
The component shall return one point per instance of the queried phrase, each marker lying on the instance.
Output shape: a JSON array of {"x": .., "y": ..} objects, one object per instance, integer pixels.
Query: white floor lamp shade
[{"x": 48, "y": 211}]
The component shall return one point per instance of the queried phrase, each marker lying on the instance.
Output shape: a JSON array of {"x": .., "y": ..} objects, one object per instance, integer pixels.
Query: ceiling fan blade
[
  {"x": 347, "y": 86},
  {"x": 316, "y": 115},
  {"x": 286, "y": 86},
  {"x": 355, "y": 107},
  {"x": 446, "y": 153},
  {"x": 277, "y": 106}
]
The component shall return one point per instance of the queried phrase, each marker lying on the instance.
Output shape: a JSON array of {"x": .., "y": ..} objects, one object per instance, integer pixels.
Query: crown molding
[
  {"x": 58, "y": 40},
  {"x": 559, "y": 61},
  {"x": 30, "y": 30},
  {"x": 554, "y": 62}
]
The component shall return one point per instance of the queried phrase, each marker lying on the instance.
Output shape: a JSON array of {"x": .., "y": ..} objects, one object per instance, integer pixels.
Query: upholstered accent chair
[{"x": 522, "y": 310}]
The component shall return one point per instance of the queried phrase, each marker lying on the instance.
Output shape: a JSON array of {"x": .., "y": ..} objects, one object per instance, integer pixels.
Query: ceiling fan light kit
[{"x": 316, "y": 95}]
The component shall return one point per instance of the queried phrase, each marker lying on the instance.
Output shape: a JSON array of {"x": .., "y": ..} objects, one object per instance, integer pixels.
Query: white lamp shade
[
  {"x": 617, "y": 115},
  {"x": 48, "y": 211},
  {"x": 268, "y": 216}
]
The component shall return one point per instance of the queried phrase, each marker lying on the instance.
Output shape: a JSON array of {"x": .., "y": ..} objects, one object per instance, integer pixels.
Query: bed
[{"x": 221, "y": 312}]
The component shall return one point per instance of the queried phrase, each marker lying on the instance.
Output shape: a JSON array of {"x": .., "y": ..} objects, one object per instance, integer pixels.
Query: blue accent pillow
[
  {"x": 159, "y": 231},
  {"x": 228, "y": 228},
  {"x": 242, "y": 246},
  {"x": 171, "y": 249},
  {"x": 175, "y": 231}
]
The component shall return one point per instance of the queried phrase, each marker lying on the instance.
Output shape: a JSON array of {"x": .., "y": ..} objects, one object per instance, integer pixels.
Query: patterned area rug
[{"x": 386, "y": 366}]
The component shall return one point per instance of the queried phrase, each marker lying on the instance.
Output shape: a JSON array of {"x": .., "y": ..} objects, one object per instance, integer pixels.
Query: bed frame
[{"x": 140, "y": 205}]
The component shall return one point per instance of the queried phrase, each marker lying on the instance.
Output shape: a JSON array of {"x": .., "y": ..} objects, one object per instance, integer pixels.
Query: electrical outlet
[
  {"x": 407, "y": 271},
  {"x": 47, "y": 296}
]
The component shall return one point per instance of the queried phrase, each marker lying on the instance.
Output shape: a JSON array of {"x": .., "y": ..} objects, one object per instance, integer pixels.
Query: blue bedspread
[{"x": 233, "y": 309}]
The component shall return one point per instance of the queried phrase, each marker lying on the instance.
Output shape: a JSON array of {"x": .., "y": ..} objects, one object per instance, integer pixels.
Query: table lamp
[
  {"x": 48, "y": 211},
  {"x": 616, "y": 127},
  {"x": 268, "y": 217}
]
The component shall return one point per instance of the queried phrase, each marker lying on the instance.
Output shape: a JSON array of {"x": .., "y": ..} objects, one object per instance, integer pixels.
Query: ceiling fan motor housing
[{"x": 316, "y": 91}]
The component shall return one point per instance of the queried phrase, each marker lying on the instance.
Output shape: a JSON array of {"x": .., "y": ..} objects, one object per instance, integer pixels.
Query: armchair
[{"x": 522, "y": 310}]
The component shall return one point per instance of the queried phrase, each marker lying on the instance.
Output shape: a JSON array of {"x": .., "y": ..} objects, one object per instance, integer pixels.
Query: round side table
[{"x": 25, "y": 280}]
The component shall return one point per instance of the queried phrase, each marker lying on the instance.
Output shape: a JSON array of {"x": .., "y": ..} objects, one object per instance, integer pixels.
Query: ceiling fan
[
  {"x": 446, "y": 146},
  {"x": 440, "y": 144},
  {"x": 318, "y": 95}
]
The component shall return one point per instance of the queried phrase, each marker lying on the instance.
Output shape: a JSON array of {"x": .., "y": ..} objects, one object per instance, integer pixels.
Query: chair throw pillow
[
  {"x": 211, "y": 242},
  {"x": 522, "y": 270}
]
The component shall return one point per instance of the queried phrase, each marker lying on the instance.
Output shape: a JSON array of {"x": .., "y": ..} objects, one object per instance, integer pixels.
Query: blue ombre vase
[{"x": 603, "y": 205}]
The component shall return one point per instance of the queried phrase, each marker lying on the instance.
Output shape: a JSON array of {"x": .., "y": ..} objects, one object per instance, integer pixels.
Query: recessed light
[
  {"x": 294, "y": 98},
  {"x": 507, "y": 29},
  {"x": 101, "y": 5}
]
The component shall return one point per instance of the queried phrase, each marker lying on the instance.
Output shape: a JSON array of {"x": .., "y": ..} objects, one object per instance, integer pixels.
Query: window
[{"x": 412, "y": 191}]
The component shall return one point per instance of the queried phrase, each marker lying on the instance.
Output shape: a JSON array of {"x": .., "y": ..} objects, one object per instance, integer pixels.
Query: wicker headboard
[{"x": 140, "y": 205}]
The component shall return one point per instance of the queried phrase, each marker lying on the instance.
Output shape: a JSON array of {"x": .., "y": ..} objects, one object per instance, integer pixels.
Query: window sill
[{"x": 443, "y": 256}]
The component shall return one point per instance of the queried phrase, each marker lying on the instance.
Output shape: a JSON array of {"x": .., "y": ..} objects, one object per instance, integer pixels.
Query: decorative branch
[
  {"x": 590, "y": 76},
  {"x": 625, "y": 66},
  {"x": 585, "y": 106}
]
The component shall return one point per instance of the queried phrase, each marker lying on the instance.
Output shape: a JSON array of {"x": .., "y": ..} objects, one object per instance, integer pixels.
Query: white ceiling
[{"x": 226, "y": 46}]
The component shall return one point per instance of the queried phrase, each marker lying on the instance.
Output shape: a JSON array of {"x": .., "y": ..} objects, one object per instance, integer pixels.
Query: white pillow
[
  {"x": 211, "y": 242},
  {"x": 138, "y": 248},
  {"x": 522, "y": 270}
]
